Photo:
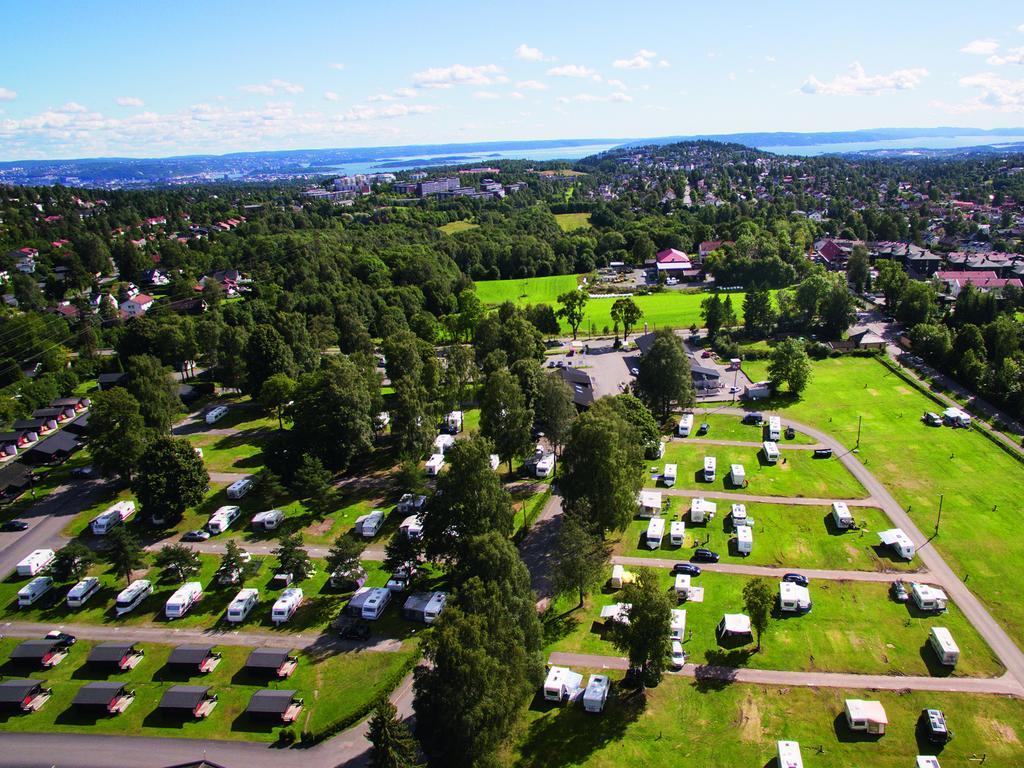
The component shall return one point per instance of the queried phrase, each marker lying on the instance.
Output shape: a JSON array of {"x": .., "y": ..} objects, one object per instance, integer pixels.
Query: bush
[
  {"x": 286, "y": 736},
  {"x": 817, "y": 350}
]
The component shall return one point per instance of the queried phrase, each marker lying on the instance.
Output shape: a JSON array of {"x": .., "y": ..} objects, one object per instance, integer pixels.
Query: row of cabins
[{"x": 71, "y": 413}]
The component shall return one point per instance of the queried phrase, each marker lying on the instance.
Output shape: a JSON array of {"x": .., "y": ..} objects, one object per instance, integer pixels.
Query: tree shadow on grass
[
  {"x": 720, "y": 668},
  {"x": 568, "y": 736},
  {"x": 559, "y": 627}
]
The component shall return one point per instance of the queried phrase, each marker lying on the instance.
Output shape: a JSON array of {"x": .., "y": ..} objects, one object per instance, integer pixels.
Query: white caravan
[
  {"x": 181, "y": 602},
  {"x": 131, "y": 597},
  {"x": 112, "y": 517},
  {"x": 82, "y": 591},
  {"x": 242, "y": 604},
  {"x": 286, "y": 605}
]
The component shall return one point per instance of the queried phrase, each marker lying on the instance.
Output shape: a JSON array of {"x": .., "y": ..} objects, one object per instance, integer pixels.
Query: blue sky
[{"x": 154, "y": 79}]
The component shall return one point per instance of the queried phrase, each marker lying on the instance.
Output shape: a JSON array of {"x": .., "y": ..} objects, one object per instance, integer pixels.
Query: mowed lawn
[
  {"x": 785, "y": 535},
  {"x": 683, "y": 722},
  {"x": 570, "y": 221},
  {"x": 980, "y": 484},
  {"x": 333, "y": 685},
  {"x": 853, "y": 627},
  {"x": 455, "y": 227},
  {"x": 800, "y": 475},
  {"x": 723, "y": 427}
]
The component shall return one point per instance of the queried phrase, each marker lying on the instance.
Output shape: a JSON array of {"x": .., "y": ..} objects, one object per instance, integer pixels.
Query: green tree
[
  {"x": 266, "y": 353},
  {"x": 637, "y": 415},
  {"x": 790, "y": 365},
  {"x": 412, "y": 418},
  {"x": 275, "y": 394},
  {"x": 117, "y": 433},
  {"x": 235, "y": 565},
  {"x": 711, "y": 311},
  {"x": 153, "y": 387},
  {"x": 123, "y": 552},
  {"x": 664, "y": 379},
  {"x": 555, "y": 410},
  {"x": 626, "y": 313},
  {"x": 892, "y": 281},
  {"x": 177, "y": 562},
  {"x": 933, "y": 341},
  {"x": 759, "y": 314},
  {"x": 758, "y": 601},
  {"x": 292, "y": 557},
  {"x": 581, "y": 559},
  {"x": 504, "y": 417},
  {"x": 645, "y": 638},
  {"x": 391, "y": 743},
  {"x": 918, "y": 304},
  {"x": 344, "y": 554},
  {"x": 71, "y": 561},
  {"x": 858, "y": 269},
  {"x": 314, "y": 482},
  {"x": 837, "y": 311},
  {"x": 171, "y": 478},
  {"x": 573, "y": 304}
]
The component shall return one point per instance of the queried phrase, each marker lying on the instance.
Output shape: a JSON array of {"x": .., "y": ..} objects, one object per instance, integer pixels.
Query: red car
[{"x": 706, "y": 353}]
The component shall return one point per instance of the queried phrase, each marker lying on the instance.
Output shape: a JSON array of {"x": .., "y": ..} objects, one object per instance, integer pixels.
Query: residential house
[{"x": 137, "y": 306}]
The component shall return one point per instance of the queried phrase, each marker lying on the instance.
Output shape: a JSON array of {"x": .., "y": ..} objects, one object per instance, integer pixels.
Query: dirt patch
[
  {"x": 1002, "y": 731},
  {"x": 320, "y": 528},
  {"x": 749, "y": 724},
  {"x": 852, "y": 551},
  {"x": 874, "y": 392},
  {"x": 903, "y": 391}
]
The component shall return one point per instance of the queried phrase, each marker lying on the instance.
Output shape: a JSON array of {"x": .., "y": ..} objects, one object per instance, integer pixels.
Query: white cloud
[
  {"x": 526, "y": 53},
  {"x": 664, "y": 64},
  {"x": 130, "y": 101},
  {"x": 770, "y": 59},
  {"x": 360, "y": 113},
  {"x": 617, "y": 84},
  {"x": 336, "y": 65},
  {"x": 642, "y": 59},
  {"x": 485, "y": 95},
  {"x": 981, "y": 47},
  {"x": 6, "y": 94},
  {"x": 858, "y": 83},
  {"x": 573, "y": 70},
  {"x": 405, "y": 93},
  {"x": 589, "y": 98},
  {"x": 272, "y": 87},
  {"x": 73, "y": 106},
  {"x": 993, "y": 93},
  {"x": 517, "y": 95},
  {"x": 330, "y": 95},
  {"x": 1012, "y": 56},
  {"x": 531, "y": 85},
  {"x": 457, "y": 74},
  {"x": 381, "y": 97},
  {"x": 732, "y": 76}
]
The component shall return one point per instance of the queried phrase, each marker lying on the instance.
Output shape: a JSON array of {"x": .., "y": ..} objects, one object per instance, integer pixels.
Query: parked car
[
  {"x": 83, "y": 472},
  {"x": 899, "y": 592},
  {"x": 704, "y": 428},
  {"x": 678, "y": 655},
  {"x": 14, "y": 525},
  {"x": 753, "y": 418},
  {"x": 195, "y": 536},
  {"x": 934, "y": 726},
  {"x": 703, "y": 555},
  {"x": 790, "y": 433},
  {"x": 797, "y": 578},
  {"x": 823, "y": 453},
  {"x": 61, "y": 637},
  {"x": 634, "y": 371},
  {"x": 706, "y": 353},
  {"x": 932, "y": 419},
  {"x": 688, "y": 568}
]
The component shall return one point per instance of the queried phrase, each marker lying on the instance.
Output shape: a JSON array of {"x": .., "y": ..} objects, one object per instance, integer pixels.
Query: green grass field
[
  {"x": 853, "y": 627},
  {"x": 688, "y": 723},
  {"x": 732, "y": 428},
  {"x": 571, "y": 221},
  {"x": 455, "y": 227},
  {"x": 793, "y": 536},
  {"x": 334, "y": 686},
  {"x": 979, "y": 482},
  {"x": 800, "y": 476}
]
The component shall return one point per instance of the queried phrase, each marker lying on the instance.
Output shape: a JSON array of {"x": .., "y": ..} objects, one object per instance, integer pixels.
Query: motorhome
[
  {"x": 443, "y": 442},
  {"x": 129, "y": 598},
  {"x": 677, "y": 624},
  {"x": 650, "y": 503},
  {"x": 36, "y": 562},
  {"x": 928, "y": 598},
  {"x": 82, "y": 591},
  {"x": 369, "y": 602},
  {"x": 181, "y": 602},
  {"x": 286, "y": 605},
  {"x": 412, "y": 527},
  {"x": 242, "y": 604},
  {"x": 239, "y": 488},
  {"x": 410, "y": 503},
  {"x": 738, "y": 475},
  {"x": 222, "y": 519},
  {"x": 702, "y": 510},
  {"x": 34, "y": 590},
  {"x": 545, "y": 465},
  {"x": 434, "y": 464},
  {"x": 899, "y": 542},
  {"x": 709, "y": 469},
  {"x": 685, "y": 425},
  {"x": 424, "y": 606},
  {"x": 942, "y": 643},
  {"x": 682, "y": 585},
  {"x": 268, "y": 520},
  {"x": 369, "y": 525},
  {"x": 739, "y": 516},
  {"x": 677, "y": 532},
  {"x": 789, "y": 754},
  {"x": 744, "y": 539},
  {"x": 842, "y": 516},
  {"x": 562, "y": 685},
  {"x": 794, "y": 598},
  {"x": 216, "y": 414},
  {"x": 112, "y": 517},
  {"x": 668, "y": 477},
  {"x": 596, "y": 693},
  {"x": 771, "y": 451},
  {"x": 655, "y": 532},
  {"x": 774, "y": 428},
  {"x": 956, "y": 417},
  {"x": 453, "y": 422}
]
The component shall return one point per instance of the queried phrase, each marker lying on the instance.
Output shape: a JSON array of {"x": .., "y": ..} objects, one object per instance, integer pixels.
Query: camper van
[
  {"x": 106, "y": 521},
  {"x": 774, "y": 428},
  {"x": 682, "y": 585},
  {"x": 368, "y": 525},
  {"x": 286, "y": 605},
  {"x": 181, "y": 602},
  {"x": 842, "y": 516},
  {"x": 709, "y": 469},
  {"x": 899, "y": 541},
  {"x": 677, "y": 532},
  {"x": 222, "y": 519},
  {"x": 677, "y": 624},
  {"x": 655, "y": 532},
  {"x": 650, "y": 503},
  {"x": 434, "y": 464},
  {"x": 443, "y": 442},
  {"x": 702, "y": 510},
  {"x": 771, "y": 451},
  {"x": 82, "y": 591},
  {"x": 242, "y": 605},
  {"x": 239, "y": 488},
  {"x": 794, "y": 598},
  {"x": 216, "y": 414},
  {"x": 685, "y": 425},
  {"x": 129, "y": 598},
  {"x": 36, "y": 562},
  {"x": 738, "y": 475},
  {"x": 596, "y": 693},
  {"x": 744, "y": 539},
  {"x": 453, "y": 422},
  {"x": 668, "y": 477},
  {"x": 562, "y": 684},
  {"x": 35, "y": 589},
  {"x": 268, "y": 521},
  {"x": 942, "y": 643},
  {"x": 545, "y": 465},
  {"x": 739, "y": 516},
  {"x": 789, "y": 754}
]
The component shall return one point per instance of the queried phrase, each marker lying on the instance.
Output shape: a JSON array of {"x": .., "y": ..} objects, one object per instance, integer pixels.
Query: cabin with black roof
[
  {"x": 15, "y": 479},
  {"x": 201, "y": 657},
  {"x": 277, "y": 661},
  {"x": 113, "y": 697},
  {"x": 48, "y": 652},
  {"x": 124, "y": 656},
  {"x": 24, "y": 694},
  {"x": 54, "y": 450},
  {"x": 268, "y": 702},
  {"x": 195, "y": 699}
]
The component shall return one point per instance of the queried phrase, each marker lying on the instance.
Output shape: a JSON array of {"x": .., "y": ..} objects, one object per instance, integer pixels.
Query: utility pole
[
  {"x": 938, "y": 519},
  {"x": 860, "y": 420}
]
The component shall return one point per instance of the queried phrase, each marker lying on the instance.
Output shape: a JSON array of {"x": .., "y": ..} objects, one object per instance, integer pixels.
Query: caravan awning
[{"x": 736, "y": 624}]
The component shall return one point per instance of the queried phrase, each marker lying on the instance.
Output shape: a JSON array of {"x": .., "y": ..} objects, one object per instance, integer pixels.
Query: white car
[{"x": 677, "y": 655}]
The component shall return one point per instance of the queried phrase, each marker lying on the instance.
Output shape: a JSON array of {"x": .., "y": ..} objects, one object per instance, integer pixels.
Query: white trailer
[
  {"x": 677, "y": 533},
  {"x": 709, "y": 469},
  {"x": 774, "y": 428},
  {"x": 677, "y": 624},
  {"x": 442, "y": 443},
  {"x": 286, "y": 605},
  {"x": 789, "y": 754},
  {"x": 34, "y": 590},
  {"x": 682, "y": 585},
  {"x": 562, "y": 684},
  {"x": 129, "y": 598},
  {"x": 36, "y": 562},
  {"x": 842, "y": 516},
  {"x": 739, "y": 515},
  {"x": 685, "y": 425},
  {"x": 621, "y": 577},
  {"x": 369, "y": 524},
  {"x": 928, "y": 598},
  {"x": 82, "y": 591},
  {"x": 242, "y": 604},
  {"x": 744, "y": 539},
  {"x": 668, "y": 476},
  {"x": 239, "y": 488},
  {"x": 112, "y": 517},
  {"x": 650, "y": 503},
  {"x": 794, "y": 598},
  {"x": 702, "y": 510},
  {"x": 596, "y": 693},
  {"x": 942, "y": 643},
  {"x": 268, "y": 520},
  {"x": 222, "y": 519},
  {"x": 899, "y": 541},
  {"x": 187, "y": 595},
  {"x": 655, "y": 532},
  {"x": 738, "y": 475},
  {"x": 771, "y": 451},
  {"x": 434, "y": 464},
  {"x": 545, "y": 465},
  {"x": 453, "y": 422}
]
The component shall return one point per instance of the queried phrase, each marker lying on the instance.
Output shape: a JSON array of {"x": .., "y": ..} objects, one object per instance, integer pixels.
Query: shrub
[{"x": 286, "y": 736}]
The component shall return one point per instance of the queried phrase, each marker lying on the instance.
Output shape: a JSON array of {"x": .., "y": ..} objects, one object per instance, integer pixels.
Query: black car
[
  {"x": 797, "y": 578},
  {"x": 61, "y": 637},
  {"x": 790, "y": 433},
  {"x": 703, "y": 555},
  {"x": 933, "y": 722},
  {"x": 14, "y": 525},
  {"x": 823, "y": 453},
  {"x": 688, "y": 568},
  {"x": 357, "y": 631},
  {"x": 753, "y": 418},
  {"x": 704, "y": 427}
]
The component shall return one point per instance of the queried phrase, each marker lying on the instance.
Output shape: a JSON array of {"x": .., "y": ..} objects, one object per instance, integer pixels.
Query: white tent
[{"x": 734, "y": 624}]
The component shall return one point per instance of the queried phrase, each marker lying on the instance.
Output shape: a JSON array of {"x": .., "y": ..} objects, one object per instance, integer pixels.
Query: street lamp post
[{"x": 938, "y": 520}]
